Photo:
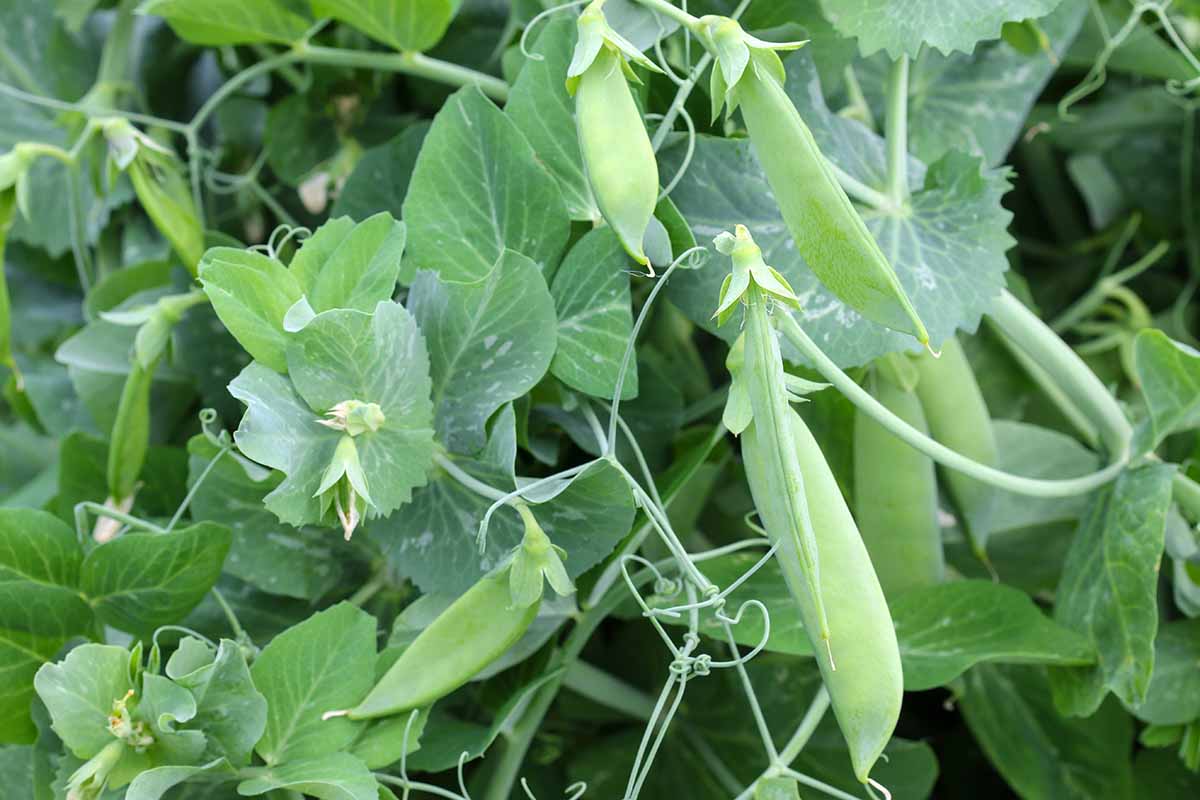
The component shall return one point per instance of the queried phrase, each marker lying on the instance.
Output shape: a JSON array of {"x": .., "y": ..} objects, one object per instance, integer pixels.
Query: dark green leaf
[
  {"x": 1173, "y": 697},
  {"x": 414, "y": 25},
  {"x": 219, "y": 22},
  {"x": 1169, "y": 374}
]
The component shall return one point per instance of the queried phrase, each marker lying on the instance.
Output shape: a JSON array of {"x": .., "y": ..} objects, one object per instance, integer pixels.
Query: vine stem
[
  {"x": 1066, "y": 369},
  {"x": 897, "y": 131},
  {"x": 804, "y": 731},
  {"x": 673, "y": 12}
]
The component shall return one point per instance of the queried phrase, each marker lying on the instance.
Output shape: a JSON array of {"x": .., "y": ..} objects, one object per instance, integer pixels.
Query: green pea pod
[
  {"x": 130, "y": 432},
  {"x": 7, "y": 203},
  {"x": 958, "y": 418},
  {"x": 164, "y": 194},
  {"x": 469, "y": 635},
  {"x": 864, "y": 678},
  {"x": 895, "y": 493},
  {"x": 829, "y": 233}
]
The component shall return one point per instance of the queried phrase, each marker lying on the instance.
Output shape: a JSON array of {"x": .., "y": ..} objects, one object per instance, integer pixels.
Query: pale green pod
[
  {"x": 865, "y": 681},
  {"x": 828, "y": 231},
  {"x": 958, "y": 418},
  {"x": 130, "y": 432},
  {"x": 617, "y": 153},
  {"x": 895, "y": 495}
]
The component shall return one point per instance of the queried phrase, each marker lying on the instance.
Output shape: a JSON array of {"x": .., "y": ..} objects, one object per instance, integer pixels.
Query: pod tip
[{"x": 328, "y": 715}]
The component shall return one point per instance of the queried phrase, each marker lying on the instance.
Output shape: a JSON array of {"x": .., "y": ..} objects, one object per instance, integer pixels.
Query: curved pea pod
[
  {"x": 958, "y": 418},
  {"x": 469, "y": 635},
  {"x": 617, "y": 154},
  {"x": 895, "y": 495},
  {"x": 130, "y": 432},
  {"x": 864, "y": 680},
  {"x": 167, "y": 199},
  {"x": 828, "y": 231}
]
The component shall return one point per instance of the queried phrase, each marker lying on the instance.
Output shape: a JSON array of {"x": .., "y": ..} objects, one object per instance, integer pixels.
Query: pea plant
[{"x": 615, "y": 399}]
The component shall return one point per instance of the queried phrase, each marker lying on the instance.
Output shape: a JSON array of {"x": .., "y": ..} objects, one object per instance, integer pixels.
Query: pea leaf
[
  {"x": 323, "y": 664},
  {"x": 336, "y": 776},
  {"x": 410, "y": 25},
  {"x": 142, "y": 580},
  {"x": 341, "y": 355},
  {"x": 948, "y": 252},
  {"x": 1042, "y": 755},
  {"x": 222, "y": 22},
  {"x": 79, "y": 693},
  {"x": 21, "y": 654},
  {"x": 229, "y": 709},
  {"x": 591, "y": 294},
  {"x": 473, "y": 194},
  {"x": 1169, "y": 374},
  {"x": 156, "y": 782},
  {"x": 251, "y": 293},
  {"x": 974, "y": 102},
  {"x": 39, "y": 576},
  {"x": 901, "y": 29},
  {"x": 355, "y": 266},
  {"x": 545, "y": 113},
  {"x": 1173, "y": 696},
  {"x": 490, "y": 341},
  {"x": 380, "y": 178},
  {"x": 274, "y": 557},
  {"x": 1108, "y": 590}
]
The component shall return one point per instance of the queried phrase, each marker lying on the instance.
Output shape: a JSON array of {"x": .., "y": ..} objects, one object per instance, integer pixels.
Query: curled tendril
[
  {"x": 525, "y": 51},
  {"x": 181, "y": 629},
  {"x": 462, "y": 784},
  {"x": 286, "y": 233},
  {"x": 736, "y": 620},
  {"x": 218, "y": 437},
  {"x": 687, "y": 156}
]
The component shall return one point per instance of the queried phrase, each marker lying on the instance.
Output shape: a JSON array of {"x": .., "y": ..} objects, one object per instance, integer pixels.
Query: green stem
[
  {"x": 602, "y": 687},
  {"x": 897, "y": 131},
  {"x": 114, "y": 59},
  {"x": 1095, "y": 297},
  {"x": 859, "y": 191},
  {"x": 808, "y": 726},
  {"x": 101, "y": 510},
  {"x": 474, "y": 484},
  {"x": 681, "y": 97},
  {"x": 238, "y": 631},
  {"x": 678, "y": 14},
  {"x": 415, "y": 64},
  {"x": 1018, "y": 484},
  {"x": 368, "y": 589},
  {"x": 1186, "y": 493}
]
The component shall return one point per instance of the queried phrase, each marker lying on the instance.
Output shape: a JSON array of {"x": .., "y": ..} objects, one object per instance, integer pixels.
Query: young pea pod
[
  {"x": 7, "y": 202},
  {"x": 895, "y": 490},
  {"x": 958, "y": 418},
  {"x": 829, "y": 233},
  {"x": 473, "y": 632},
  {"x": 820, "y": 552},
  {"x": 617, "y": 153},
  {"x": 129, "y": 440}
]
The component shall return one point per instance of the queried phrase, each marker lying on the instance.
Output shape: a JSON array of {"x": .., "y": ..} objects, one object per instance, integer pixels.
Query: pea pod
[
  {"x": 958, "y": 418},
  {"x": 473, "y": 632},
  {"x": 828, "y": 231},
  {"x": 617, "y": 154},
  {"x": 164, "y": 194},
  {"x": 895, "y": 493},
  {"x": 7, "y": 202},
  {"x": 130, "y": 433}
]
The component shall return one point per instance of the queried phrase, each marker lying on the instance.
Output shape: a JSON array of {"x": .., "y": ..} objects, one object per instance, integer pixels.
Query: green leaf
[
  {"x": 1042, "y": 755},
  {"x": 21, "y": 654},
  {"x": 1173, "y": 697},
  {"x": 901, "y": 29},
  {"x": 490, "y": 341},
  {"x": 410, "y": 25},
  {"x": 142, "y": 580},
  {"x": 222, "y": 22},
  {"x": 274, "y": 557},
  {"x": 39, "y": 576},
  {"x": 1161, "y": 773},
  {"x": 336, "y": 776},
  {"x": 948, "y": 250},
  {"x": 17, "y": 771},
  {"x": 541, "y": 108},
  {"x": 945, "y": 93},
  {"x": 947, "y": 628},
  {"x": 323, "y": 664},
  {"x": 79, "y": 693},
  {"x": 473, "y": 195},
  {"x": 359, "y": 267},
  {"x": 1169, "y": 375},
  {"x": 1108, "y": 590},
  {"x": 251, "y": 293},
  {"x": 380, "y": 179},
  {"x": 154, "y": 783},
  {"x": 164, "y": 705},
  {"x": 229, "y": 709},
  {"x": 591, "y": 295}
]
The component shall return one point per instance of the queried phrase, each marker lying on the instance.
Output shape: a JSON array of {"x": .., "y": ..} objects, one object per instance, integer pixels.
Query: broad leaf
[
  {"x": 154, "y": 783},
  {"x": 39, "y": 576},
  {"x": 948, "y": 251},
  {"x": 222, "y": 22},
  {"x": 323, "y": 664},
  {"x": 1173, "y": 697},
  {"x": 251, "y": 293},
  {"x": 412, "y": 25},
  {"x": 1108, "y": 590},
  {"x": 79, "y": 693},
  {"x": 902, "y": 28},
  {"x": 1041, "y": 754},
  {"x": 273, "y": 556},
  {"x": 490, "y": 341},
  {"x": 21, "y": 655},
  {"x": 229, "y": 709},
  {"x": 1169, "y": 374},
  {"x": 591, "y": 295},
  {"x": 545, "y": 113},
  {"x": 474, "y": 193},
  {"x": 343, "y": 265},
  {"x": 336, "y": 776},
  {"x": 142, "y": 580}
]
